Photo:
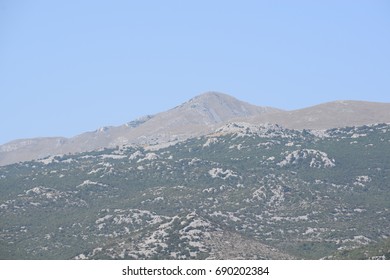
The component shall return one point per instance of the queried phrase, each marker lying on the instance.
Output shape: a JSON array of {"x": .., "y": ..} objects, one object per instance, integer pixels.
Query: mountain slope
[
  {"x": 244, "y": 191},
  {"x": 196, "y": 117}
]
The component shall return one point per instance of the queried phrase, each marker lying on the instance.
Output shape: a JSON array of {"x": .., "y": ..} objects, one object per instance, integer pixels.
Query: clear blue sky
[{"x": 72, "y": 66}]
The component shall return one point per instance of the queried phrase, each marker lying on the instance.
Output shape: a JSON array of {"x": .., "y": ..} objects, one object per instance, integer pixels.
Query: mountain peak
[
  {"x": 215, "y": 107},
  {"x": 212, "y": 94}
]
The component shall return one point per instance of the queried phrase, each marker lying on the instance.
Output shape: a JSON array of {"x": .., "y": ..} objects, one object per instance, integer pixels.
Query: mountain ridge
[
  {"x": 198, "y": 116},
  {"x": 340, "y": 113}
]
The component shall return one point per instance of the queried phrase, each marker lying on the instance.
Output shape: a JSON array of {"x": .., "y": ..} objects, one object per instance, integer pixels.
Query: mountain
[
  {"x": 199, "y": 116},
  {"x": 243, "y": 191},
  {"x": 331, "y": 114}
]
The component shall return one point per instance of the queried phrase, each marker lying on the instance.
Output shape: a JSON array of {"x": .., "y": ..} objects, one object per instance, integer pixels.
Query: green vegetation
[{"x": 278, "y": 193}]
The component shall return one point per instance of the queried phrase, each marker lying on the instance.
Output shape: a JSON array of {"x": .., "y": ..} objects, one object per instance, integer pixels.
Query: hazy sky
[{"x": 71, "y": 66}]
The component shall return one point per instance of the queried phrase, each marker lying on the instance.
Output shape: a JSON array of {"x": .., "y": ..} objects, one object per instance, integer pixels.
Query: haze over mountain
[{"x": 198, "y": 116}]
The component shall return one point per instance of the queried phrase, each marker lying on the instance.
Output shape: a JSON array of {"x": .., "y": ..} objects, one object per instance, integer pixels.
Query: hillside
[{"x": 243, "y": 191}]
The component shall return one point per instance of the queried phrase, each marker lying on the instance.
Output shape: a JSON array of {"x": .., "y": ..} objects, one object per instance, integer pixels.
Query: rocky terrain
[{"x": 241, "y": 191}]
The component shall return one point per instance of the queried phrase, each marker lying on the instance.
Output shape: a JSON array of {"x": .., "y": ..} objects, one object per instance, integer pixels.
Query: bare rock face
[{"x": 200, "y": 115}]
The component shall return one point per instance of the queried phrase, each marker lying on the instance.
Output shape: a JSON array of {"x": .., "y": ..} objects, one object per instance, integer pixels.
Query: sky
[{"x": 67, "y": 67}]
